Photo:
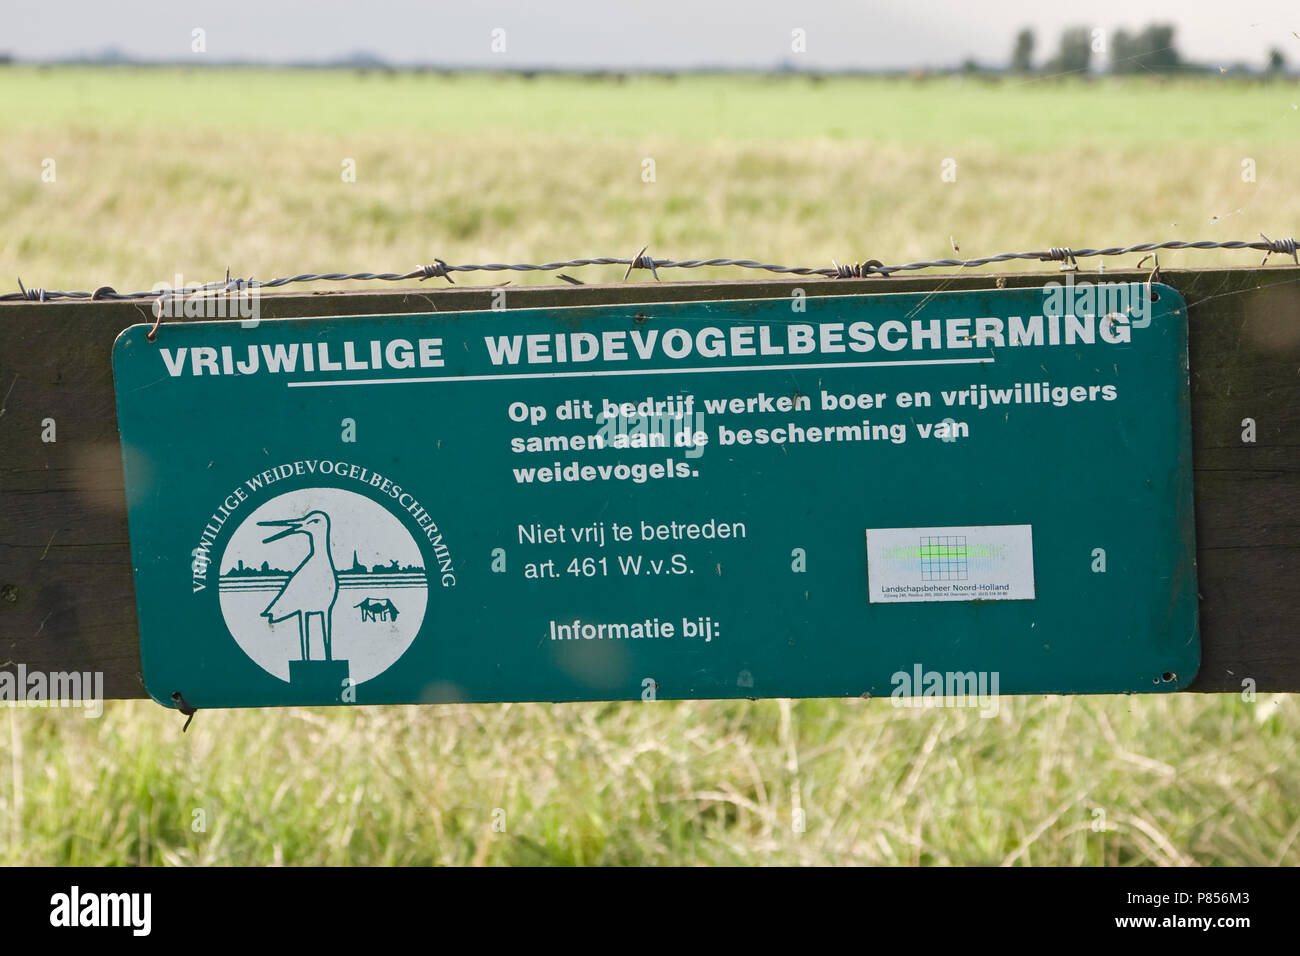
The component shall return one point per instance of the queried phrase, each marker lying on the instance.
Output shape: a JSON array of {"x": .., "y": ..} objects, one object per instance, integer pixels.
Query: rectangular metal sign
[{"x": 802, "y": 497}]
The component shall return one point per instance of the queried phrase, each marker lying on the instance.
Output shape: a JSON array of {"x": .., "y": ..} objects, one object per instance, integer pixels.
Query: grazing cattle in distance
[{"x": 372, "y": 610}]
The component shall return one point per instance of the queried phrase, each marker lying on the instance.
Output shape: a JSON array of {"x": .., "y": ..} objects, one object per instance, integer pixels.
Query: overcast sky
[{"x": 867, "y": 34}]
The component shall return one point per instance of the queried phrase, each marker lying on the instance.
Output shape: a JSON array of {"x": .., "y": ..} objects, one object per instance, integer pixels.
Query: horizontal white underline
[{"x": 600, "y": 373}]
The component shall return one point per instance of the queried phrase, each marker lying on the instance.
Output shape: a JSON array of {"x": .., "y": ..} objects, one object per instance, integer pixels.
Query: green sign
[{"x": 804, "y": 497}]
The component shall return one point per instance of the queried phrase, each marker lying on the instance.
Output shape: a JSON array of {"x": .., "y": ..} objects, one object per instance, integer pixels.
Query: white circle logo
[{"x": 321, "y": 586}]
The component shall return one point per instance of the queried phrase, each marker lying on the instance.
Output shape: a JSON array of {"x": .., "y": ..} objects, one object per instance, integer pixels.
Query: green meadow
[{"x": 154, "y": 173}]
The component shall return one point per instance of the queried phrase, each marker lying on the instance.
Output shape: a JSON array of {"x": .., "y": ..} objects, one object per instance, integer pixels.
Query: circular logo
[{"x": 322, "y": 585}]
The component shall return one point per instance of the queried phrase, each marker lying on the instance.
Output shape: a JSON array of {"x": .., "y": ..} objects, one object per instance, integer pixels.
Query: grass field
[{"x": 160, "y": 172}]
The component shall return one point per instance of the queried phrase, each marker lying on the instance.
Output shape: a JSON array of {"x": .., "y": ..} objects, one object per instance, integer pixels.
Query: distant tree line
[{"x": 1151, "y": 50}]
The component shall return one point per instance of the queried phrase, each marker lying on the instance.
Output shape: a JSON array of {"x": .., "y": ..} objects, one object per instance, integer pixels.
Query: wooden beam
[{"x": 67, "y": 600}]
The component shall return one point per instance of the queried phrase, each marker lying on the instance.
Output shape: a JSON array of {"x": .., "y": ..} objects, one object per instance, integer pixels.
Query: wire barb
[
  {"x": 1063, "y": 255},
  {"x": 34, "y": 295},
  {"x": 437, "y": 270},
  {"x": 1069, "y": 258},
  {"x": 642, "y": 261},
  {"x": 237, "y": 285},
  {"x": 1286, "y": 247},
  {"x": 858, "y": 270}
]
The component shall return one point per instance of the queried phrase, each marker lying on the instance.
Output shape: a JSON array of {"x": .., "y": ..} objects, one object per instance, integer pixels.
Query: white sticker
[{"x": 976, "y": 563}]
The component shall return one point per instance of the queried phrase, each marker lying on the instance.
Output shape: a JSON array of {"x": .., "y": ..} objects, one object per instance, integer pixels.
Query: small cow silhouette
[{"x": 372, "y": 610}]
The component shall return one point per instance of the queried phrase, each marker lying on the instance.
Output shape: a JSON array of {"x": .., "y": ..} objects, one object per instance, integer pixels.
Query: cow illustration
[{"x": 373, "y": 610}]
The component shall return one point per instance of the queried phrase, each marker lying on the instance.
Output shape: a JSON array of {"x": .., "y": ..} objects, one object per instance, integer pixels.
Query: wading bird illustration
[{"x": 313, "y": 587}]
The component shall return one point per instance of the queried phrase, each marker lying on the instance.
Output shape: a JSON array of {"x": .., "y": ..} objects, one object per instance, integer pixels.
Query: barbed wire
[{"x": 853, "y": 270}]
